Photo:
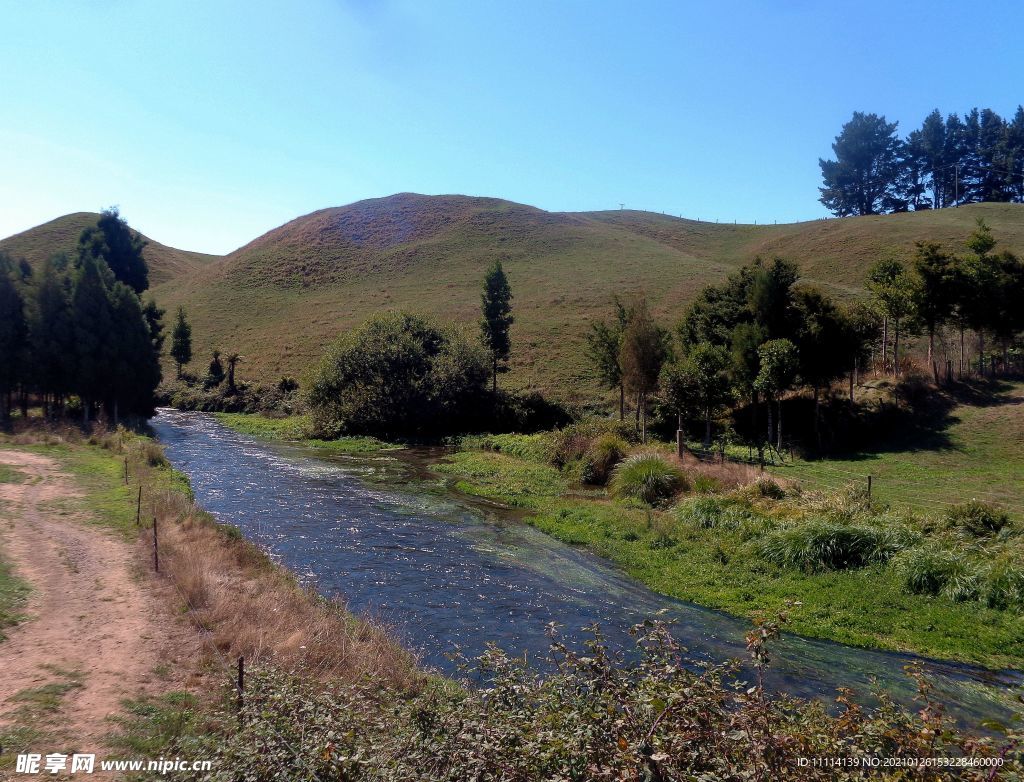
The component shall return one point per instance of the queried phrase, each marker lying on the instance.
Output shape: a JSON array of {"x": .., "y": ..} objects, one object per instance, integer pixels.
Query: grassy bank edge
[
  {"x": 290, "y": 626},
  {"x": 295, "y": 429},
  {"x": 864, "y": 608}
]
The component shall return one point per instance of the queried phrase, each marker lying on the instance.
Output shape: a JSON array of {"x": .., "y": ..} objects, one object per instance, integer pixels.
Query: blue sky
[{"x": 212, "y": 122}]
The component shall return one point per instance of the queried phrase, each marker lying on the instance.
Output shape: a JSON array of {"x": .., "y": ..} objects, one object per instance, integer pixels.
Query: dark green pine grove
[
  {"x": 946, "y": 162},
  {"x": 77, "y": 329}
]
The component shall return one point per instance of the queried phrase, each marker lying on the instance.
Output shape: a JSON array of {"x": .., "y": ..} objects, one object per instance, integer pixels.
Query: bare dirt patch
[{"x": 93, "y": 615}]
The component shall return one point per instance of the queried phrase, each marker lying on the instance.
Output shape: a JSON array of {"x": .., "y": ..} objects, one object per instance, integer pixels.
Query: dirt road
[{"x": 97, "y": 630}]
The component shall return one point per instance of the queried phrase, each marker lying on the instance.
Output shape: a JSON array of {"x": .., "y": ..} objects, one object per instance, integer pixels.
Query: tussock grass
[
  {"x": 647, "y": 477},
  {"x": 825, "y": 545}
]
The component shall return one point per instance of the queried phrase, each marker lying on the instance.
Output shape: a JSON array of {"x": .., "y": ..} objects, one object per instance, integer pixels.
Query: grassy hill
[
  {"x": 279, "y": 299},
  {"x": 61, "y": 235}
]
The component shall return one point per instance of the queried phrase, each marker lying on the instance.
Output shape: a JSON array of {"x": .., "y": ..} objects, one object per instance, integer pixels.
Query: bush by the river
[
  {"x": 398, "y": 375},
  {"x": 647, "y": 477}
]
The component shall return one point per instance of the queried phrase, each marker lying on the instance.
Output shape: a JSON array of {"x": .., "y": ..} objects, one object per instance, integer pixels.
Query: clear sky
[{"x": 211, "y": 122}]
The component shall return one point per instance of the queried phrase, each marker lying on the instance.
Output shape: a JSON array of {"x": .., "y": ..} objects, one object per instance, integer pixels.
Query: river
[{"x": 446, "y": 573}]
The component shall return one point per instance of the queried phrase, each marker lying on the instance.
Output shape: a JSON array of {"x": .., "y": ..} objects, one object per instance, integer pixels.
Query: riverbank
[
  {"x": 719, "y": 567},
  {"x": 112, "y": 657},
  {"x": 295, "y": 429},
  {"x": 595, "y": 713}
]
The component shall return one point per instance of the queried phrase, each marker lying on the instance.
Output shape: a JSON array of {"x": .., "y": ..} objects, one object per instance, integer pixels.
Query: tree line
[
  {"x": 946, "y": 162},
  {"x": 77, "y": 328},
  {"x": 943, "y": 294},
  {"x": 762, "y": 334}
]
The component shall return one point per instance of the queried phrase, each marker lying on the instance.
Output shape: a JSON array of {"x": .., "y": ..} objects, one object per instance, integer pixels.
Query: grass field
[
  {"x": 280, "y": 299},
  {"x": 720, "y": 567},
  {"x": 978, "y": 453}
]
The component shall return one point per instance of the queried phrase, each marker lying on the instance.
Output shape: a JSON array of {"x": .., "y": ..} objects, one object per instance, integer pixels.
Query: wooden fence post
[
  {"x": 138, "y": 508},
  {"x": 241, "y": 685},
  {"x": 869, "y": 487},
  {"x": 156, "y": 548}
]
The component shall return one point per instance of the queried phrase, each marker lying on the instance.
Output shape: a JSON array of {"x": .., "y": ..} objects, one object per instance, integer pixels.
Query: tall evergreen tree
[
  {"x": 931, "y": 146},
  {"x": 135, "y": 365},
  {"x": 94, "y": 332},
  {"x": 933, "y": 292},
  {"x": 13, "y": 334},
  {"x": 1015, "y": 155},
  {"x": 112, "y": 240},
  {"x": 497, "y": 320},
  {"x": 181, "y": 341},
  {"x": 52, "y": 334},
  {"x": 862, "y": 176}
]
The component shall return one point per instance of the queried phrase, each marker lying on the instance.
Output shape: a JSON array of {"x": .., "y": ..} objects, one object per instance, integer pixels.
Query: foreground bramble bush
[{"x": 592, "y": 716}]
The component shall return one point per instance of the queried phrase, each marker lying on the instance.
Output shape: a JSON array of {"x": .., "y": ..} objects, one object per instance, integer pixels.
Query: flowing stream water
[{"x": 445, "y": 572}]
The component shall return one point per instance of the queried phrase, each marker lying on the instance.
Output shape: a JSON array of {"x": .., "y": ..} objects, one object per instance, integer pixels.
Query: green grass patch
[
  {"x": 295, "y": 429},
  {"x": 13, "y": 594},
  {"x": 979, "y": 457},
  {"x": 32, "y": 720},
  {"x": 9, "y": 474},
  {"x": 712, "y": 556}
]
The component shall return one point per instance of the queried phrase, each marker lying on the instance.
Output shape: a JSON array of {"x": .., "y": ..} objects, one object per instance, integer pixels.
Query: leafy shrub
[
  {"x": 931, "y": 570},
  {"x": 977, "y": 518},
  {"x": 825, "y": 545},
  {"x": 571, "y": 443},
  {"x": 1004, "y": 586},
  {"x": 601, "y": 457},
  {"x": 647, "y": 477},
  {"x": 397, "y": 374}
]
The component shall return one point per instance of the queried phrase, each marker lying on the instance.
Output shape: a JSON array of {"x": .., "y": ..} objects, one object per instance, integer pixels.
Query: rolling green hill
[
  {"x": 279, "y": 299},
  {"x": 61, "y": 235}
]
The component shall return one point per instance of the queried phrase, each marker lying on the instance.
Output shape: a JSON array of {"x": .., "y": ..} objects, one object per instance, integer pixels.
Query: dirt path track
[{"x": 93, "y": 617}]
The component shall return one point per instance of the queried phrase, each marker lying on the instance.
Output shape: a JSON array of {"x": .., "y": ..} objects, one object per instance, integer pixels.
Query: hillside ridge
[{"x": 279, "y": 299}]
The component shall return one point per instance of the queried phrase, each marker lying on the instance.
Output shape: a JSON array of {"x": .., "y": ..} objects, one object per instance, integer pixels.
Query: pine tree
[
  {"x": 933, "y": 291},
  {"x": 863, "y": 174},
  {"x": 93, "y": 324},
  {"x": 13, "y": 335},
  {"x": 497, "y": 320},
  {"x": 119, "y": 247},
  {"x": 181, "y": 341},
  {"x": 52, "y": 335},
  {"x": 136, "y": 367}
]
